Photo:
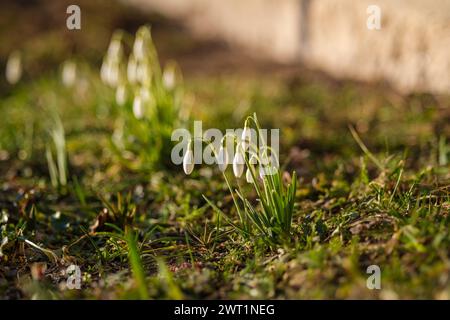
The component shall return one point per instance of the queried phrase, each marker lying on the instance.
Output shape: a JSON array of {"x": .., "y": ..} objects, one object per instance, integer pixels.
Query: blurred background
[
  {"x": 411, "y": 51},
  {"x": 315, "y": 60}
]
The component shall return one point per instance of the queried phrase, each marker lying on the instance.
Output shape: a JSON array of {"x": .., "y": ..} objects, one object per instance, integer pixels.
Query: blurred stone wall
[{"x": 411, "y": 50}]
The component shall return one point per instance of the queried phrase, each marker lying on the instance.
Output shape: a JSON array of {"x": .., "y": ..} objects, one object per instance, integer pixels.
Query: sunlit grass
[{"x": 86, "y": 178}]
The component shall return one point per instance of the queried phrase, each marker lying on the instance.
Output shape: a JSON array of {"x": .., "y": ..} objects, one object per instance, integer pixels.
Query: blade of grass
[
  {"x": 365, "y": 149},
  {"x": 136, "y": 264}
]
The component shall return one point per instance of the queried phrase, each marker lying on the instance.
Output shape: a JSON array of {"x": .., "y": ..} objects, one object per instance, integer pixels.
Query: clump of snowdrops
[
  {"x": 148, "y": 100},
  {"x": 270, "y": 217}
]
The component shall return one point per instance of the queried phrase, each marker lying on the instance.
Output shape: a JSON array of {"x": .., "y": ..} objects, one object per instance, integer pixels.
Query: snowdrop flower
[
  {"x": 115, "y": 48},
  {"x": 109, "y": 72},
  {"x": 143, "y": 75},
  {"x": 222, "y": 158},
  {"x": 248, "y": 176},
  {"x": 139, "y": 48},
  {"x": 104, "y": 70},
  {"x": 113, "y": 74},
  {"x": 69, "y": 73},
  {"x": 132, "y": 69},
  {"x": 121, "y": 95},
  {"x": 246, "y": 137},
  {"x": 14, "y": 67},
  {"x": 238, "y": 163},
  {"x": 168, "y": 77},
  {"x": 138, "y": 108},
  {"x": 188, "y": 161}
]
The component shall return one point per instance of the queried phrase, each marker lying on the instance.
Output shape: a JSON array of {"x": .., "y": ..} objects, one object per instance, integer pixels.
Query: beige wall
[{"x": 411, "y": 51}]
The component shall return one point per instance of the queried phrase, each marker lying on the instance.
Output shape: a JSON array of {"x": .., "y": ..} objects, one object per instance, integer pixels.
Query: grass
[{"x": 372, "y": 176}]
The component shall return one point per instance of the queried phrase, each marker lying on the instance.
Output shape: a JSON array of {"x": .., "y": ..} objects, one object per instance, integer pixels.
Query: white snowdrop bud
[
  {"x": 14, "y": 67},
  {"x": 248, "y": 176},
  {"x": 238, "y": 163},
  {"x": 169, "y": 77},
  {"x": 138, "y": 108},
  {"x": 121, "y": 95},
  {"x": 222, "y": 159},
  {"x": 114, "y": 49},
  {"x": 104, "y": 70},
  {"x": 188, "y": 162},
  {"x": 143, "y": 74},
  {"x": 109, "y": 73},
  {"x": 246, "y": 137},
  {"x": 132, "y": 70},
  {"x": 69, "y": 73},
  {"x": 113, "y": 74},
  {"x": 139, "y": 48}
]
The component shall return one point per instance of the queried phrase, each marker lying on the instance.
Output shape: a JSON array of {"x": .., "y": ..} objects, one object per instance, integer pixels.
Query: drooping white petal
[
  {"x": 238, "y": 164},
  {"x": 14, "y": 68},
  {"x": 143, "y": 73},
  {"x": 69, "y": 73},
  {"x": 245, "y": 137},
  {"x": 132, "y": 70},
  {"x": 188, "y": 162},
  {"x": 139, "y": 48},
  {"x": 104, "y": 70},
  {"x": 222, "y": 159},
  {"x": 169, "y": 78},
  {"x": 248, "y": 176},
  {"x": 138, "y": 108},
  {"x": 114, "y": 49},
  {"x": 113, "y": 74}
]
